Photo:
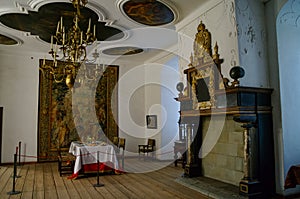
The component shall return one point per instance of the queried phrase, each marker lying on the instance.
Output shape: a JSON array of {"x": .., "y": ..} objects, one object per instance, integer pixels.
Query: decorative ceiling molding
[
  {"x": 35, "y": 5},
  {"x": 150, "y": 12},
  {"x": 39, "y": 18}
]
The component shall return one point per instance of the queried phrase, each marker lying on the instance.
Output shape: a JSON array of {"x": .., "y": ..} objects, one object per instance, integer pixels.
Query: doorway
[{"x": 288, "y": 31}]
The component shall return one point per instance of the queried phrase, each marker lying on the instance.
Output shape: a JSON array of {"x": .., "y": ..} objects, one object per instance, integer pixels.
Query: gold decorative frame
[
  {"x": 204, "y": 65},
  {"x": 203, "y": 73}
]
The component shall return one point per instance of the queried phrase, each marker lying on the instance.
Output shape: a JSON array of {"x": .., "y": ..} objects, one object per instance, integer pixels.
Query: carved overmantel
[{"x": 207, "y": 94}]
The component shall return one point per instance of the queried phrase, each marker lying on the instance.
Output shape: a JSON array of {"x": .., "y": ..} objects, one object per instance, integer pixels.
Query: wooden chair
[
  {"x": 116, "y": 141},
  {"x": 121, "y": 154},
  {"x": 120, "y": 148},
  {"x": 66, "y": 162},
  {"x": 147, "y": 148}
]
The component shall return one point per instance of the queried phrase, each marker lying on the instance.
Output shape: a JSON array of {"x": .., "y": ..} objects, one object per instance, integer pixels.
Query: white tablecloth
[{"x": 87, "y": 154}]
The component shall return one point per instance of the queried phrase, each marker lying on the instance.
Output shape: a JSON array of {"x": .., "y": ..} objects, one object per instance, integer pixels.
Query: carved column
[
  {"x": 193, "y": 163},
  {"x": 180, "y": 146},
  {"x": 249, "y": 185},
  {"x": 250, "y": 156},
  {"x": 188, "y": 144}
]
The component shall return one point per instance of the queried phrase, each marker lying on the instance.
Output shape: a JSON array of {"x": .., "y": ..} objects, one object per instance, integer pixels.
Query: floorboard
[{"x": 42, "y": 181}]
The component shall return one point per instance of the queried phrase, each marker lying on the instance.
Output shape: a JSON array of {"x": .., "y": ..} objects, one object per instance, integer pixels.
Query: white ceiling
[{"x": 137, "y": 34}]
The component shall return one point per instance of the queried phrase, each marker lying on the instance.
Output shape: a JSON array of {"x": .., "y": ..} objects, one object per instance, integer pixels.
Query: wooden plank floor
[{"x": 42, "y": 180}]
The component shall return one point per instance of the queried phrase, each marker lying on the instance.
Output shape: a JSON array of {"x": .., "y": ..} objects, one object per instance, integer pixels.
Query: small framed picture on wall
[{"x": 151, "y": 121}]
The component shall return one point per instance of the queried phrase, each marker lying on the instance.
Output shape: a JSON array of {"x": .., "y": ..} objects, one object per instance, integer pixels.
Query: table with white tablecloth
[{"x": 86, "y": 156}]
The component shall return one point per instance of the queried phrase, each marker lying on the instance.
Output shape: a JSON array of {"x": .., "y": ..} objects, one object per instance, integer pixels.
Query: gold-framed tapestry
[{"x": 57, "y": 125}]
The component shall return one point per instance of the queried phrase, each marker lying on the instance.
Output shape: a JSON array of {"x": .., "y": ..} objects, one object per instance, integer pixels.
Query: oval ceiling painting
[
  {"x": 124, "y": 50},
  {"x": 148, "y": 12}
]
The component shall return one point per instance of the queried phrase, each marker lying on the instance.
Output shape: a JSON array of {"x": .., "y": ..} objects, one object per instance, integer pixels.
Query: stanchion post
[
  {"x": 13, "y": 192},
  {"x": 15, "y": 164},
  {"x": 98, "y": 166},
  {"x": 20, "y": 153}
]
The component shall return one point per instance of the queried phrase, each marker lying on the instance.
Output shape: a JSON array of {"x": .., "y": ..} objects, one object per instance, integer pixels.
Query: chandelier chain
[{"x": 73, "y": 43}]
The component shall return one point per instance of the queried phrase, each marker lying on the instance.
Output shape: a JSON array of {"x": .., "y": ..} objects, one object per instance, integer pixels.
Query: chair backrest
[
  {"x": 122, "y": 143},
  {"x": 116, "y": 141},
  {"x": 151, "y": 142},
  {"x": 60, "y": 152}
]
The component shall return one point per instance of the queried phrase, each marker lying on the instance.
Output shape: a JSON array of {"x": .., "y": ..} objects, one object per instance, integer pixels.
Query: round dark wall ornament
[
  {"x": 179, "y": 87},
  {"x": 236, "y": 73}
]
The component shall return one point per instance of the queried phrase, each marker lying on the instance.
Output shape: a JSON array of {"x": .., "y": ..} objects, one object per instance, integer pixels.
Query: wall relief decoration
[{"x": 56, "y": 126}]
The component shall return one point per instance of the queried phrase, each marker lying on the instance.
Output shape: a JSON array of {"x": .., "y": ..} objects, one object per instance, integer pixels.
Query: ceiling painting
[{"x": 148, "y": 12}]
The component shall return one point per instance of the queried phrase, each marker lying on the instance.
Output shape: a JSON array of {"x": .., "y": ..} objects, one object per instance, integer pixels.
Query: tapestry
[{"x": 58, "y": 117}]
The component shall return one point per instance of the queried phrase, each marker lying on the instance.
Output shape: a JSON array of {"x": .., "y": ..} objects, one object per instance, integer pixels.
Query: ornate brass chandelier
[{"x": 73, "y": 44}]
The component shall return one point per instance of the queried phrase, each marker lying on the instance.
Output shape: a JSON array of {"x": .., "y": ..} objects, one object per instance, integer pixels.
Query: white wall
[
  {"x": 19, "y": 96},
  {"x": 149, "y": 89},
  {"x": 132, "y": 105},
  {"x": 162, "y": 76},
  {"x": 288, "y": 31},
  {"x": 250, "y": 21},
  {"x": 170, "y": 76}
]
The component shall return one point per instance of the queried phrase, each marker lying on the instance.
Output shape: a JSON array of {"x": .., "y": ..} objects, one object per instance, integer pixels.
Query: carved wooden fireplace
[{"x": 242, "y": 152}]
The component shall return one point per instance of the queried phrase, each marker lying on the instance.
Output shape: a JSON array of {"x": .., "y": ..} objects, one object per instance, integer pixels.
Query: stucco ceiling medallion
[{"x": 39, "y": 19}]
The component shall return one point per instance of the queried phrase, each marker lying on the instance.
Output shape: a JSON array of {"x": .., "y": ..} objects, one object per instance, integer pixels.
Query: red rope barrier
[{"x": 81, "y": 155}]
